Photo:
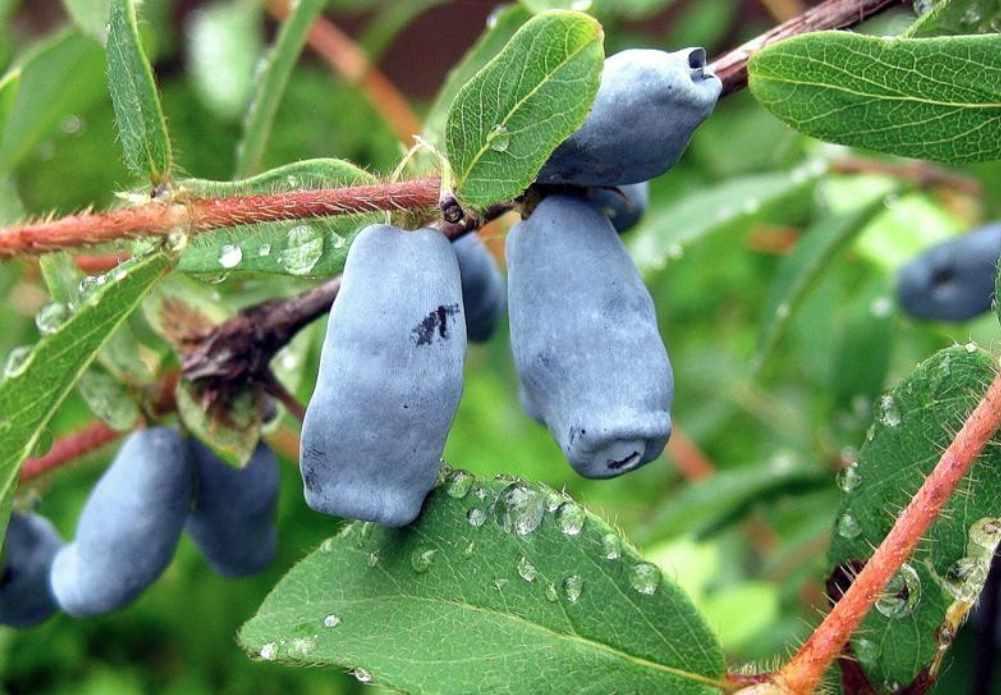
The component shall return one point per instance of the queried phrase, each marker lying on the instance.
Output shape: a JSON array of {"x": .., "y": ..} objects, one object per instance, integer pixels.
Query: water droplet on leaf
[
  {"x": 499, "y": 139},
  {"x": 331, "y": 621},
  {"x": 421, "y": 559},
  {"x": 269, "y": 651},
  {"x": 645, "y": 578},
  {"x": 848, "y": 526},
  {"x": 526, "y": 570},
  {"x": 849, "y": 478},
  {"x": 901, "y": 595},
  {"x": 50, "y": 317},
  {"x": 889, "y": 414},
  {"x": 519, "y": 509},
  {"x": 361, "y": 675},
  {"x": 611, "y": 546},
  {"x": 570, "y": 518},
  {"x": 230, "y": 256},
  {"x": 476, "y": 517},
  {"x": 458, "y": 484},
  {"x": 572, "y": 587},
  {"x": 17, "y": 361},
  {"x": 303, "y": 248}
]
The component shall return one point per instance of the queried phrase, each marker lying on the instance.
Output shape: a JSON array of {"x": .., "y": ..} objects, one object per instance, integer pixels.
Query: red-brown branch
[
  {"x": 73, "y": 446},
  {"x": 731, "y": 67},
  {"x": 200, "y": 215},
  {"x": 804, "y": 672}
]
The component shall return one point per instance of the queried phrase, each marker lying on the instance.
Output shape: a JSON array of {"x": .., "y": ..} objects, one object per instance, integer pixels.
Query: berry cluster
[
  {"x": 159, "y": 485},
  {"x": 954, "y": 280},
  {"x": 590, "y": 359}
]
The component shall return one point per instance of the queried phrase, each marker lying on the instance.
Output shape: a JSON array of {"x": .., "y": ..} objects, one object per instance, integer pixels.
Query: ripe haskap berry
[
  {"x": 483, "y": 291},
  {"x": 129, "y": 527},
  {"x": 233, "y": 518},
  {"x": 648, "y": 105},
  {"x": 30, "y": 545},
  {"x": 390, "y": 378},
  {"x": 953, "y": 280},
  {"x": 585, "y": 339},
  {"x": 624, "y": 206}
]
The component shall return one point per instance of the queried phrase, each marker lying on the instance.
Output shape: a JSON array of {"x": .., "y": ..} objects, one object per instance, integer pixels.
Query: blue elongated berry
[
  {"x": 483, "y": 292},
  {"x": 129, "y": 527},
  {"x": 648, "y": 105},
  {"x": 585, "y": 339},
  {"x": 390, "y": 378},
  {"x": 624, "y": 206},
  {"x": 30, "y": 546},
  {"x": 233, "y": 518},
  {"x": 953, "y": 280}
]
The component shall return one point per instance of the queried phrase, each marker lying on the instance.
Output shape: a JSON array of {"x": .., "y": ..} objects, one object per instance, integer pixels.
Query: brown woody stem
[
  {"x": 731, "y": 67},
  {"x": 806, "y": 669}
]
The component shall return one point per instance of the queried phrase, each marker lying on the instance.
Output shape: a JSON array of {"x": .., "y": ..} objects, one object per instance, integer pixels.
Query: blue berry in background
[
  {"x": 483, "y": 291},
  {"x": 129, "y": 527},
  {"x": 585, "y": 339},
  {"x": 648, "y": 105},
  {"x": 31, "y": 544},
  {"x": 953, "y": 280},
  {"x": 624, "y": 206},
  {"x": 232, "y": 520},
  {"x": 390, "y": 378}
]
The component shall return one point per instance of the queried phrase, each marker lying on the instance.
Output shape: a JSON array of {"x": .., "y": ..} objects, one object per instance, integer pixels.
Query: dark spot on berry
[
  {"x": 435, "y": 322},
  {"x": 615, "y": 465}
]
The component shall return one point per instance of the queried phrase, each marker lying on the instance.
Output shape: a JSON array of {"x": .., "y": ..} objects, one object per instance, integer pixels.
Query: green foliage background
[{"x": 775, "y": 436}]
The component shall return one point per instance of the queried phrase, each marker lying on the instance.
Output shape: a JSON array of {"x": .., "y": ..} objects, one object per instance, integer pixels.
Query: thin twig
[
  {"x": 731, "y": 67},
  {"x": 688, "y": 457},
  {"x": 804, "y": 672},
  {"x": 923, "y": 174},
  {"x": 205, "y": 214},
  {"x": 783, "y": 10},
  {"x": 68, "y": 448},
  {"x": 349, "y": 60}
]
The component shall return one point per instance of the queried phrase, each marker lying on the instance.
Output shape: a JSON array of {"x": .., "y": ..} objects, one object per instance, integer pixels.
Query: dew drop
[
  {"x": 611, "y": 546},
  {"x": 331, "y": 620},
  {"x": 230, "y": 256},
  {"x": 177, "y": 240},
  {"x": 519, "y": 509},
  {"x": 570, "y": 518},
  {"x": 849, "y": 478},
  {"x": 361, "y": 675},
  {"x": 269, "y": 651},
  {"x": 848, "y": 526},
  {"x": 865, "y": 650},
  {"x": 303, "y": 248},
  {"x": 572, "y": 587},
  {"x": 552, "y": 595},
  {"x": 264, "y": 250},
  {"x": 971, "y": 347},
  {"x": 499, "y": 139},
  {"x": 458, "y": 484},
  {"x": 476, "y": 517},
  {"x": 526, "y": 570},
  {"x": 889, "y": 414},
  {"x": 302, "y": 646},
  {"x": 782, "y": 311},
  {"x": 421, "y": 559},
  {"x": 881, "y": 307},
  {"x": 554, "y": 500},
  {"x": 17, "y": 361},
  {"x": 901, "y": 594},
  {"x": 50, "y": 317},
  {"x": 645, "y": 578},
  {"x": 373, "y": 559},
  {"x": 469, "y": 549}
]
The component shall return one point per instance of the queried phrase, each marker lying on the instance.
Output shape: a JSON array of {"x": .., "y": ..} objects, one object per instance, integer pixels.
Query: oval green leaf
[
  {"x": 506, "y": 121},
  {"x": 936, "y": 98},
  {"x": 496, "y": 588},
  {"x": 141, "y": 126},
  {"x": 913, "y": 425}
]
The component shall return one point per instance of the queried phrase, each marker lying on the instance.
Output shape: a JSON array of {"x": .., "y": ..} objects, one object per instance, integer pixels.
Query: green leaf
[
  {"x": 233, "y": 432},
  {"x": 732, "y": 205},
  {"x": 44, "y": 99},
  {"x": 91, "y": 16},
  {"x": 630, "y": 9},
  {"x": 38, "y": 383},
  {"x": 814, "y": 253},
  {"x": 704, "y": 507},
  {"x": 914, "y": 424},
  {"x": 390, "y": 19},
  {"x": 489, "y": 592},
  {"x": 936, "y": 99},
  {"x": 141, "y": 127},
  {"x": 958, "y": 17},
  {"x": 272, "y": 77},
  {"x": 223, "y": 47},
  {"x": 9, "y": 86},
  {"x": 309, "y": 248},
  {"x": 506, "y": 121},
  {"x": 502, "y": 26}
]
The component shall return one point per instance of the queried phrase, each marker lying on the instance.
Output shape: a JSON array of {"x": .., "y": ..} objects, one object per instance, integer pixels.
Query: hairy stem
[
  {"x": 205, "y": 214},
  {"x": 804, "y": 672},
  {"x": 731, "y": 67}
]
